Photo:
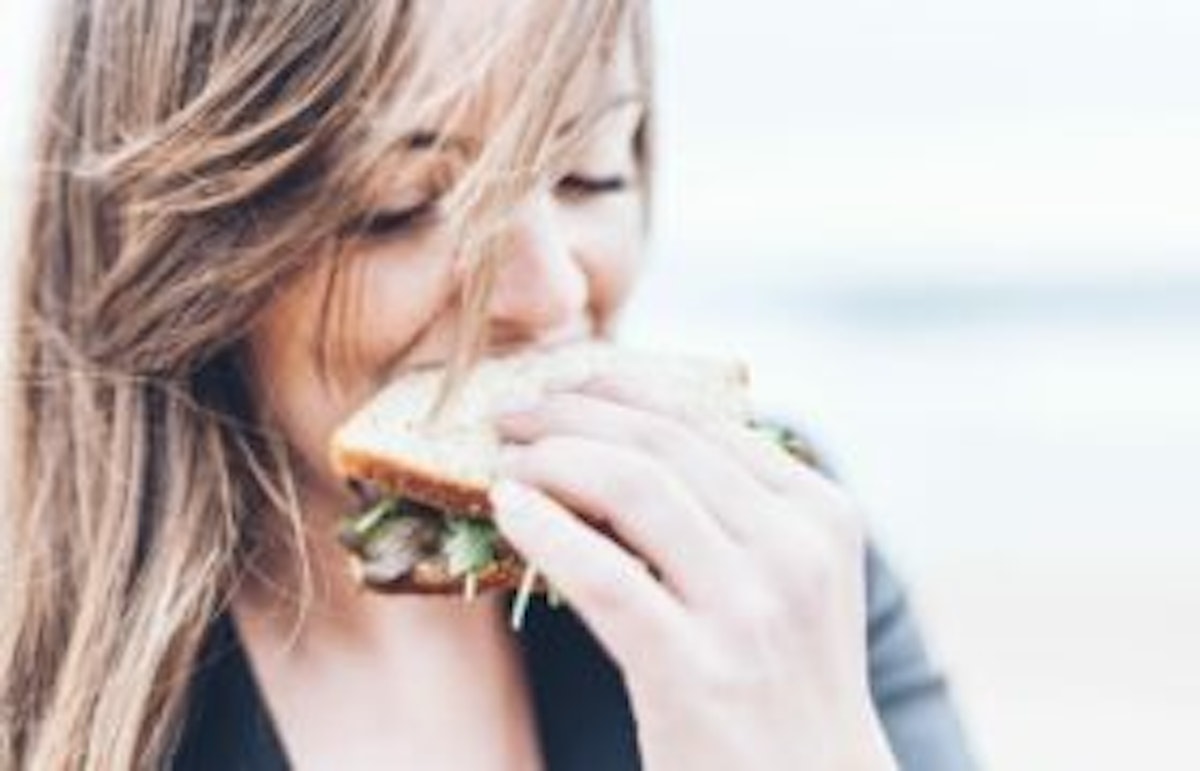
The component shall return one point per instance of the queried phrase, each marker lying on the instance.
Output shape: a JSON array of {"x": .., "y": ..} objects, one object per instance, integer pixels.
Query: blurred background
[{"x": 960, "y": 243}]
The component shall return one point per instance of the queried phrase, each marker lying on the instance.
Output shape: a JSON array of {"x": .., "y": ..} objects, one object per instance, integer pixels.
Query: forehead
[
  {"x": 445, "y": 29},
  {"x": 476, "y": 59}
]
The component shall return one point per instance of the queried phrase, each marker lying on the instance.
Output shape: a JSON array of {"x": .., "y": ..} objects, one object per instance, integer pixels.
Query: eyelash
[
  {"x": 578, "y": 185},
  {"x": 385, "y": 224}
]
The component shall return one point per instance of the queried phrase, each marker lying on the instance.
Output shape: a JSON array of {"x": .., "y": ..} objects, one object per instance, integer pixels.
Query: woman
[{"x": 249, "y": 215}]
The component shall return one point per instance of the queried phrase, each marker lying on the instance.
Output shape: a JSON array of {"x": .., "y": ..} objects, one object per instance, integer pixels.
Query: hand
[{"x": 730, "y": 593}]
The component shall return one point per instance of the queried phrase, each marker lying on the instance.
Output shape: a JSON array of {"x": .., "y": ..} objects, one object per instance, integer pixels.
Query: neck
[{"x": 438, "y": 668}]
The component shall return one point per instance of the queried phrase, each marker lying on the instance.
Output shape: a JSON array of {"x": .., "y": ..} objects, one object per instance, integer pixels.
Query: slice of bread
[{"x": 448, "y": 462}]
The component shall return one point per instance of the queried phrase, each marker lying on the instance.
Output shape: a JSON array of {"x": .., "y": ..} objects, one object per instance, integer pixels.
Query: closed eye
[
  {"x": 397, "y": 222},
  {"x": 581, "y": 185}
]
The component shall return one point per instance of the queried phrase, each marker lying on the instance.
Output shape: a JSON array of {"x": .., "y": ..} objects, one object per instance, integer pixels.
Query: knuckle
[
  {"x": 814, "y": 577},
  {"x": 602, "y": 593},
  {"x": 606, "y": 588},
  {"x": 659, "y": 436},
  {"x": 633, "y": 479},
  {"x": 737, "y": 671},
  {"x": 757, "y": 614}
]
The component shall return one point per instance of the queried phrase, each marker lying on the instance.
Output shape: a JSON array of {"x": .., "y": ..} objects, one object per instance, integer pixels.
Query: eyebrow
[{"x": 430, "y": 139}]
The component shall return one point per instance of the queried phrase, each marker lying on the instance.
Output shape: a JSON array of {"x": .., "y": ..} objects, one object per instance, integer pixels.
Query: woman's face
[{"x": 569, "y": 254}]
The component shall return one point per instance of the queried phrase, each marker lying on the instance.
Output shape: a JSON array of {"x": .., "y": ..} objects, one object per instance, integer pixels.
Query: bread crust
[{"x": 426, "y": 486}]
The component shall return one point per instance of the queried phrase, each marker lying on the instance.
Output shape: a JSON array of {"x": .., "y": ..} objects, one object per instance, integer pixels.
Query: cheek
[
  {"x": 391, "y": 302},
  {"x": 310, "y": 376},
  {"x": 293, "y": 398}
]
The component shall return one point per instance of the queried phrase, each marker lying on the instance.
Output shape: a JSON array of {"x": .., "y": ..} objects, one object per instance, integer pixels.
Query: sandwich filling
[{"x": 395, "y": 538}]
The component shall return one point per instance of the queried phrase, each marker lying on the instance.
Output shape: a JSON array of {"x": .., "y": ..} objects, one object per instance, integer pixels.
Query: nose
[{"x": 540, "y": 288}]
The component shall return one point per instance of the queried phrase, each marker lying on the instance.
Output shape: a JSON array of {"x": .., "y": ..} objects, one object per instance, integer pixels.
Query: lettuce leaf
[{"x": 469, "y": 545}]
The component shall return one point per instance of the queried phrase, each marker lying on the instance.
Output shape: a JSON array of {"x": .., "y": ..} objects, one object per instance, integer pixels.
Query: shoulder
[{"x": 910, "y": 691}]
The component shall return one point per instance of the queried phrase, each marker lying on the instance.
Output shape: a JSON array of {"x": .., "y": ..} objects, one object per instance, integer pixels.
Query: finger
[
  {"x": 719, "y": 482},
  {"x": 623, "y": 605},
  {"x": 807, "y": 497},
  {"x": 766, "y": 460},
  {"x": 641, "y": 501}
]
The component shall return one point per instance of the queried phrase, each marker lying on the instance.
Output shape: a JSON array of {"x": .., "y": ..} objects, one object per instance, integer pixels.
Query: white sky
[{"x": 1019, "y": 138}]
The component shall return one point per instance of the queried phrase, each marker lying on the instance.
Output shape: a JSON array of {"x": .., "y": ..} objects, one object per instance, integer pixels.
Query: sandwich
[{"x": 422, "y": 470}]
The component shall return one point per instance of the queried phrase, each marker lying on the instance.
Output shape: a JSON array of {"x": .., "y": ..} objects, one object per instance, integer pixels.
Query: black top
[{"x": 584, "y": 719}]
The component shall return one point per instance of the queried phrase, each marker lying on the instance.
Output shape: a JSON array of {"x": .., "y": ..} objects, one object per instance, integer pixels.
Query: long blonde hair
[{"x": 194, "y": 156}]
